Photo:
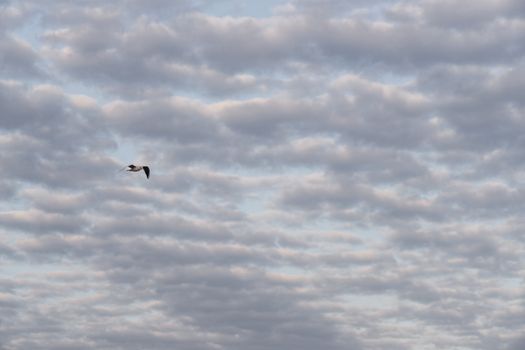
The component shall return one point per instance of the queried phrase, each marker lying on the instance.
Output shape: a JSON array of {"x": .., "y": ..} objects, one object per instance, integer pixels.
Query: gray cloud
[
  {"x": 18, "y": 59},
  {"x": 222, "y": 55},
  {"x": 325, "y": 174}
]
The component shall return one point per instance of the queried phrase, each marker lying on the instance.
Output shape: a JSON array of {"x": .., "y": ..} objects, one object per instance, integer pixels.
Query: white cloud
[{"x": 325, "y": 174}]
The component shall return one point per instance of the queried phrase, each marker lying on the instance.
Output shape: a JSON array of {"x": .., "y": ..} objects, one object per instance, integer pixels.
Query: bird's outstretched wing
[{"x": 146, "y": 170}]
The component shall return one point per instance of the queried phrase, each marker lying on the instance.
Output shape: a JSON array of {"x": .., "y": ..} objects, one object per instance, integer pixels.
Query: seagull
[{"x": 136, "y": 168}]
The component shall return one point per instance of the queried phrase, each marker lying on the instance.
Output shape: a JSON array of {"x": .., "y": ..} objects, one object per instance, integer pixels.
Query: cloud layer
[{"x": 325, "y": 174}]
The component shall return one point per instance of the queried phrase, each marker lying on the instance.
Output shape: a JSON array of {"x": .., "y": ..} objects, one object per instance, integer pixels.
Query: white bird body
[{"x": 136, "y": 168}]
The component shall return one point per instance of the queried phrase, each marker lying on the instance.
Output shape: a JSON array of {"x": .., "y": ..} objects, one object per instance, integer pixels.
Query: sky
[{"x": 324, "y": 175}]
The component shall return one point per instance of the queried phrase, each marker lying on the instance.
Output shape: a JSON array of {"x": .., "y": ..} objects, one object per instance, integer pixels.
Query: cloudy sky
[{"x": 326, "y": 174}]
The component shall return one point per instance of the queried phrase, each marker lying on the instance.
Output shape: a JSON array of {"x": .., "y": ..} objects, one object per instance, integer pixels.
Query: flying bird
[{"x": 136, "y": 168}]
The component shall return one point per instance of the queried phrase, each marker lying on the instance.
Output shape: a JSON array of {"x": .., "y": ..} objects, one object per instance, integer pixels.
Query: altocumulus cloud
[{"x": 325, "y": 174}]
